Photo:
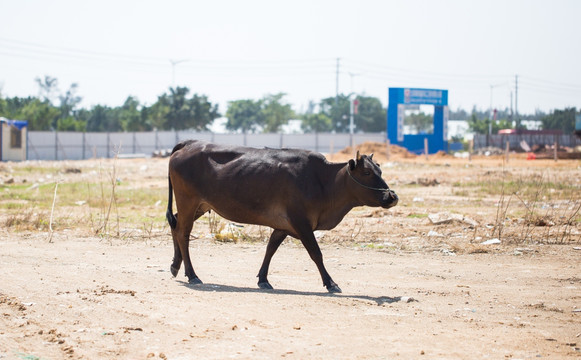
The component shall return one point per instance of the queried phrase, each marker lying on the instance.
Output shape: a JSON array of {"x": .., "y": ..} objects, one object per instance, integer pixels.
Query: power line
[{"x": 32, "y": 49}]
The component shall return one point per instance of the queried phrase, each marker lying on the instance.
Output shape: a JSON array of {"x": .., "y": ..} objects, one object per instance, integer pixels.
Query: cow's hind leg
[
  {"x": 181, "y": 237},
  {"x": 177, "y": 255},
  {"x": 310, "y": 243},
  {"x": 276, "y": 238}
]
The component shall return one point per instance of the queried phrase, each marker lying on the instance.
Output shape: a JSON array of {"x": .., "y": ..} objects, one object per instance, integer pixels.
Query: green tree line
[{"x": 179, "y": 109}]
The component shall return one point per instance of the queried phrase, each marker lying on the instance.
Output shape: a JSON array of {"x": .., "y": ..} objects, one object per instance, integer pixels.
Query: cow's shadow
[{"x": 208, "y": 287}]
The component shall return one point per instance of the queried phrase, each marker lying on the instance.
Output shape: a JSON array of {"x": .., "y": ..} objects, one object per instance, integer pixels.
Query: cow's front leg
[
  {"x": 310, "y": 243},
  {"x": 276, "y": 238}
]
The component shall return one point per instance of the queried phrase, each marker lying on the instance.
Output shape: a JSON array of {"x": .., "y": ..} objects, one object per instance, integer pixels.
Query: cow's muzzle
[{"x": 390, "y": 199}]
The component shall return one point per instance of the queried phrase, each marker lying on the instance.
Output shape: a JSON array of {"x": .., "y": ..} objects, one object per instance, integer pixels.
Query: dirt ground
[{"x": 411, "y": 289}]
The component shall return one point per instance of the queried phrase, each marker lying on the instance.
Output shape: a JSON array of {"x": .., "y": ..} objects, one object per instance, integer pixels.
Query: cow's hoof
[
  {"x": 174, "y": 271},
  {"x": 195, "y": 281},
  {"x": 265, "y": 285},
  {"x": 334, "y": 289}
]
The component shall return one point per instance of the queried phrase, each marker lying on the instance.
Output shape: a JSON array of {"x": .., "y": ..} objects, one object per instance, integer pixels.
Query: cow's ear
[{"x": 351, "y": 164}]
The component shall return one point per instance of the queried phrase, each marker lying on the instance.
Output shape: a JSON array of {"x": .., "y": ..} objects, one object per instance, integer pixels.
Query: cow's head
[{"x": 366, "y": 182}]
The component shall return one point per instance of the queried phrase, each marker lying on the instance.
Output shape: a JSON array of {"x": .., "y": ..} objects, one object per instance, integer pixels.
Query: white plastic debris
[
  {"x": 491, "y": 242},
  {"x": 433, "y": 233}
]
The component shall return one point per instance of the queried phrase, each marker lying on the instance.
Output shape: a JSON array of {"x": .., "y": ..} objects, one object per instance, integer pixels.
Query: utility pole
[
  {"x": 511, "y": 109},
  {"x": 352, "y": 105},
  {"x": 337, "y": 83},
  {"x": 491, "y": 109},
  {"x": 516, "y": 101},
  {"x": 173, "y": 70},
  {"x": 490, "y": 113}
]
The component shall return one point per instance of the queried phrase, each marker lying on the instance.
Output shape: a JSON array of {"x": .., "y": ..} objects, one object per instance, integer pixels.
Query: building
[{"x": 13, "y": 140}]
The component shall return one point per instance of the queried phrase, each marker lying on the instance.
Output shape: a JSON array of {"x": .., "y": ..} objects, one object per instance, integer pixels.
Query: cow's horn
[
  {"x": 371, "y": 156},
  {"x": 357, "y": 157}
]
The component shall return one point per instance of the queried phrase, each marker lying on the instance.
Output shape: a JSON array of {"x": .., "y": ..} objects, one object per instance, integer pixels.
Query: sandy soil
[{"x": 407, "y": 293}]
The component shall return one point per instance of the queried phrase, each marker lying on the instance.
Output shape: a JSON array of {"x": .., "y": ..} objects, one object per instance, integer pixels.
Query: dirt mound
[
  {"x": 378, "y": 150},
  {"x": 441, "y": 154}
]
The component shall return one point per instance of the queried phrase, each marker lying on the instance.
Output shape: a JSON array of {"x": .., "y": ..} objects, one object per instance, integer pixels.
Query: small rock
[
  {"x": 433, "y": 233},
  {"x": 491, "y": 242},
  {"x": 428, "y": 181},
  {"x": 440, "y": 218},
  {"x": 448, "y": 252}
]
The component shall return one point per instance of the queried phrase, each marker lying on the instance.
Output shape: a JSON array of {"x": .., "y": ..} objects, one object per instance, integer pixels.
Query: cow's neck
[{"x": 338, "y": 201}]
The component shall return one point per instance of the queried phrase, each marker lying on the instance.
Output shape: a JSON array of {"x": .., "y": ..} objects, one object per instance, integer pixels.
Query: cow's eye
[{"x": 366, "y": 173}]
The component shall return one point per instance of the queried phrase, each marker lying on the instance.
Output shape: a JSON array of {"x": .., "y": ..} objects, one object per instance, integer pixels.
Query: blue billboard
[{"x": 398, "y": 99}]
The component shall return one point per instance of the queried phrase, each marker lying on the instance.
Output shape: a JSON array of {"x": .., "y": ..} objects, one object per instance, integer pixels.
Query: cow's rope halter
[{"x": 363, "y": 185}]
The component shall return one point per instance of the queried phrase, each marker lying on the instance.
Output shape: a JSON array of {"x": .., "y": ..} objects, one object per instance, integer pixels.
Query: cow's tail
[{"x": 171, "y": 218}]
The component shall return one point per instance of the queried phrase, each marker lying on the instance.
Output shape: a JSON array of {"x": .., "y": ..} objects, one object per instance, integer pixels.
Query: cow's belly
[{"x": 265, "y": 216}]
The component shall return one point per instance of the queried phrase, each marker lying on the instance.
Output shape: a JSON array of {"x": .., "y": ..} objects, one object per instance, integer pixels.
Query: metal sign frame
[{"x": 398, "y": 99}]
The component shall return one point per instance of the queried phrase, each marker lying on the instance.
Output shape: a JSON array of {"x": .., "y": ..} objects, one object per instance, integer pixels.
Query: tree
[
  {"x": 478, "y": 126},
  {"x": 420, "y": 122},
  {"x": 70, "y": 123},
  {"x": 337, "y": 109},
  {"x": 482, "y": 126},
  {"x": 560, "y": 119},
  {"x": 69, "y": 100},
  {"x": 48, "y": 88},
  {"x": 183, "y": 113},
  {"x": 245, "y": 115},
  {"x": 316, "y": 123},
  {"x": 130, "y": 116},
  {"x": 103, "y": 118},
  {"x": 275, "y": 112},
  {"x": 203, "y": 112},
  {"x": 41, "y": 115},
  {"x": 68, "y": 103},
  {"x": 371, "y": 116},
  {"x": 157, "y": 114}
]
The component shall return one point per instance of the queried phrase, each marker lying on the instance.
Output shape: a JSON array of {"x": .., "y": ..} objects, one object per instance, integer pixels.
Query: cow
[{"x": 295, "y": 192}]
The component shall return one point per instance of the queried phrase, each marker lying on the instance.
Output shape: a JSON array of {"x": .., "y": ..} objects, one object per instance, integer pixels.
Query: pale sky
[{"x": 234, "y": 50}]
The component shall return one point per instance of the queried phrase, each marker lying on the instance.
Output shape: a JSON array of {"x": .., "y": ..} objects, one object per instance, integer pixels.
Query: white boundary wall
[{"x": 48, "y": 145}]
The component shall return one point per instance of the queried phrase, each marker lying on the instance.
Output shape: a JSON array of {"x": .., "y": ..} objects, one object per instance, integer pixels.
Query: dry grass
[{"x": 122, "y": 199}]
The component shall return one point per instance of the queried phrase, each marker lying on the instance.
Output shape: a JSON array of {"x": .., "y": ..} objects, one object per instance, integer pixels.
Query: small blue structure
[{"x": 398, "y": 99}]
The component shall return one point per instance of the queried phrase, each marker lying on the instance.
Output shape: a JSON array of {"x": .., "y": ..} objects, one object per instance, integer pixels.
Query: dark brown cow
[{"x": 292, "y": 191}]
